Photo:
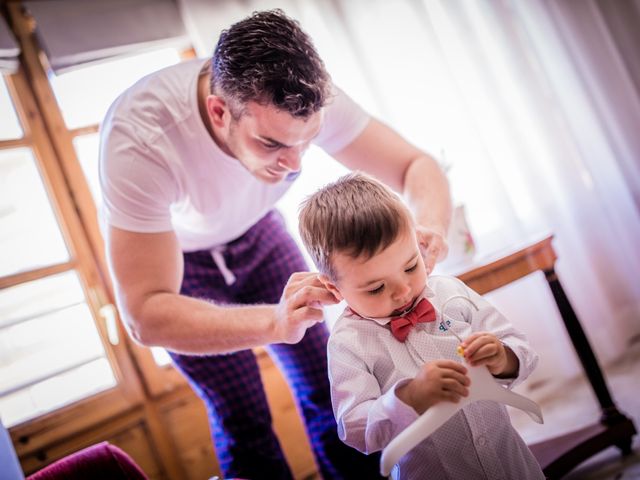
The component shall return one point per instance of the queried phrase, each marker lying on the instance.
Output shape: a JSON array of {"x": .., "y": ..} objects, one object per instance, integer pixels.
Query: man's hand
[
  {"x": 483, "y": 348},
  {"x": 433, "y": 246},
  {"x": 300, "y": 306},
  {"x": 437, "y": 381}
]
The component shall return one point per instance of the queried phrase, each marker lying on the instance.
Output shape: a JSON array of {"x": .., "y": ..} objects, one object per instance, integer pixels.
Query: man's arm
[
  {"x": 383, "y": 153},
  {"x": 147, "y": 270}
]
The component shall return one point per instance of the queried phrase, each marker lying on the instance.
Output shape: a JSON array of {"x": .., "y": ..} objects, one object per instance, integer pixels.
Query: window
[
  {"x": 26, "y": 217},
  {"x": 54, "y": 342},
  {"x": 51, "y": 351},
  {"x": 84, "y": 96},
  {"x": 10, "y": 127},
  {"x": 68, "y": 372}
]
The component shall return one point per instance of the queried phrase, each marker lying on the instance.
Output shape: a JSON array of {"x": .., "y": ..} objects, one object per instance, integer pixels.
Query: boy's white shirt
[{"x": 367, "y": 364}]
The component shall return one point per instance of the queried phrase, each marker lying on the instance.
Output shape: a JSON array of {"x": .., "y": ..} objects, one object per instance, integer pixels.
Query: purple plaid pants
[{"x": 262, "y": 261}]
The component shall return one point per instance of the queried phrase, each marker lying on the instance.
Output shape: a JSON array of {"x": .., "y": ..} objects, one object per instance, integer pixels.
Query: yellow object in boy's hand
[{"x": 460, "y": 350}]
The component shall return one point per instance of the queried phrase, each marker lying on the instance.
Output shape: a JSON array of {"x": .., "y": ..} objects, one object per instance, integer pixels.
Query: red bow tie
[{"x": 423, "y": 312}]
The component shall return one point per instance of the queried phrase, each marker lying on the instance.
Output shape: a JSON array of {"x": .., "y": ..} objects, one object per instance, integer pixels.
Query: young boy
[{"x": 392, "y": 353}]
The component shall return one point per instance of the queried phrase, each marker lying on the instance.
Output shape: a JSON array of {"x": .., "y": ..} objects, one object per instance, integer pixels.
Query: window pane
[
  {"x": 56, "y": 392},
  {"x": 87, "y": 150},
  {"x": 84, "y": 95},
  {"x": 29, "y": 233},
  {"x": 36, "y": 298},
  {"x": 10, "y": 126},
  {"x": 51, "y": 353}
]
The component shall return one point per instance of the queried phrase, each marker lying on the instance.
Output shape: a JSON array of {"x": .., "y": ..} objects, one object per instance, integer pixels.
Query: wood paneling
[
  {"x": 286, "y": 420},
  {"x": 186, "y": 421},
  {"x": 126, "y": 433}
]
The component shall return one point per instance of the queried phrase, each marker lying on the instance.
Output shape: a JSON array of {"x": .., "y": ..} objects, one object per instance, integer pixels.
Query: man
[{"x": 193, "y": 158}]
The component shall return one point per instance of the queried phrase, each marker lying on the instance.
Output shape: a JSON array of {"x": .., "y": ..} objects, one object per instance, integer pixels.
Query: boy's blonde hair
[{"x": 356, "y": 216}]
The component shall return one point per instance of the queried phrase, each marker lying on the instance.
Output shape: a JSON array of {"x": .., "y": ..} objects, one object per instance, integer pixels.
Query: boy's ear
[{"x": 329, "y": 285}]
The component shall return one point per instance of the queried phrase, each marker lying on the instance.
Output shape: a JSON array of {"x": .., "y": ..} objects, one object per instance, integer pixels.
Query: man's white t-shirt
[{"x": 160, "y": 170}]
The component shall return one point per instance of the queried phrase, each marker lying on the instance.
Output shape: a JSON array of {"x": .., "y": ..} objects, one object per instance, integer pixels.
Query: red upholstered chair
[{"x": 102, "y": 461}]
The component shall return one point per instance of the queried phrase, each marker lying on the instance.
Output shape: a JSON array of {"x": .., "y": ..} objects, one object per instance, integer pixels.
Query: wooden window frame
[
  {"x": 33, "y": 434},
  {"x": 139, "y": 379},
  {"x": 158, "y": 380},
  {"x": 147, "y": 395}
]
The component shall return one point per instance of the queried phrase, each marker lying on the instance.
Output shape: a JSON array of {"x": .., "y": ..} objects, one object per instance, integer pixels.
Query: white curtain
[{"x": 534, "y": 110}]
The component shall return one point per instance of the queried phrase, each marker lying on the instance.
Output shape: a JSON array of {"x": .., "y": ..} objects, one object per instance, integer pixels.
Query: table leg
[
  {"x": 583, "y": 349},
  {"x": 559, "y": 455}
]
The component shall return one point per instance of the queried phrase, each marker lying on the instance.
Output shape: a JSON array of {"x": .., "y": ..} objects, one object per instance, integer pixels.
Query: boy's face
[{"x": 384, "y": 285}]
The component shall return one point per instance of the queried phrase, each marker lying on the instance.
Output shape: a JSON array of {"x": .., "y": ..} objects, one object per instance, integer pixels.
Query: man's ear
[
  {"x": 329, "y": 285},
  {"x": 218, "y": 111}
]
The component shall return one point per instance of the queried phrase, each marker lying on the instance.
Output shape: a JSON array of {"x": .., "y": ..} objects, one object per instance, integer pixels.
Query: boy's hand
[
  {"x": 300, "y": 306},
  {"x": 437, "y": 381},
  {"x": 433, "y": 246},
  {"x": 483, "y": 348}
]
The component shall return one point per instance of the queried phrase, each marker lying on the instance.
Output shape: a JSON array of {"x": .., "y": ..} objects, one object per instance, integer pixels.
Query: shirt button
[{"x": 482, "y": 441}]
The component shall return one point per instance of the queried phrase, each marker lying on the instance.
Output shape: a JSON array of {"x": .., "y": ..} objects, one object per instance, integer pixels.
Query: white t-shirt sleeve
[
  {"x": 344, "y": 120},
  {"x": 137, "y": 190}
]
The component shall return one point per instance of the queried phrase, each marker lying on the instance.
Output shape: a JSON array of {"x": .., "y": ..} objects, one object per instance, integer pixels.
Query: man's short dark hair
[{"x": 267, "y": 58}]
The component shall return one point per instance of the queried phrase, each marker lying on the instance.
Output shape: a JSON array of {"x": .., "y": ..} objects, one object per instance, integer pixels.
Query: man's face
[
  {"x": 384, "y": 285},
  {"x": 270, "y": 142}
]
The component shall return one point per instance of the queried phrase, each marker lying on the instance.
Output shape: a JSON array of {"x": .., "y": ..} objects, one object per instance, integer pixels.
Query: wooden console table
[{"x": 559, "y": 455}]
